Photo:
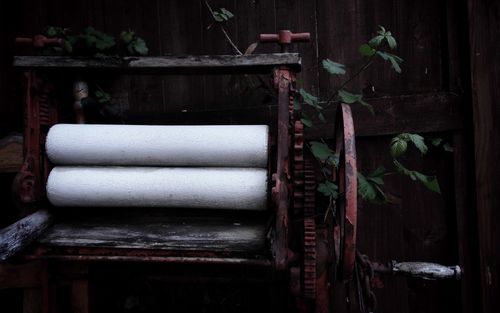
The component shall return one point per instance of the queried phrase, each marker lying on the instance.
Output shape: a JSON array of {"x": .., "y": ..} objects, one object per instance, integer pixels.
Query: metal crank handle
[{"x": 425, "y": 270}]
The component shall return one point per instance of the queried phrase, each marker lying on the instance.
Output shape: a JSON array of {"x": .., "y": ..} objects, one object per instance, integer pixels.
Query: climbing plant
[
  {"x": 380, "y": 48},
  {"x": 370, "y": 186}
]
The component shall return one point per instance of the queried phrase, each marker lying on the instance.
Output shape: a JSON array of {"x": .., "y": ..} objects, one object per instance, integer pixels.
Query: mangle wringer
[{"x": 239, "y": 195}]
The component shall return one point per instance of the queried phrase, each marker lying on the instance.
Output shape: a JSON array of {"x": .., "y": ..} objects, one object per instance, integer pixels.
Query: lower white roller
[
  {"x": 152, "y": 145},
  {"x": 215, "y": 188}
]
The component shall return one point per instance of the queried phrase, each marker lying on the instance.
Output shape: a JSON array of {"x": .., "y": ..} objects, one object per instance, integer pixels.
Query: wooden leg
[
  {"x": 32, "y": 300},
  {"x": 47, "y": 291},
  {"x": 80, "y": 300},
  {"x": 80, "y": 296}
]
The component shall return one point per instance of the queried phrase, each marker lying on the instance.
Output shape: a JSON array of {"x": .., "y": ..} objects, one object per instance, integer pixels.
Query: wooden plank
[
  {"x": 420, "y": 113},
  {"x": 424, "y": 113},
  {"x": 159, "y": 233},
  {"x": 19, "y": 235},
  {"x": 465, "y": 220},
  {"x": 26, "y": 275},
  {"x": 343, "y": 26},
  {"x": 210, "y": 64},
  {"x": 180, "y": 32},
  {"x": 484, "y": 31},
  {"x": 136, "y": 94}
]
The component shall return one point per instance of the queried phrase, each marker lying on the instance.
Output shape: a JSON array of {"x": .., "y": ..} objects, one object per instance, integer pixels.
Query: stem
[
  {"x": 360, "y": 70},
  {"x": 223, "y": 30}
]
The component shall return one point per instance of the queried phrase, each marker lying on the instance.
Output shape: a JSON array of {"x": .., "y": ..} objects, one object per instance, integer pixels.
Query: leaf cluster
[
  {"x": 96, "y": 43},
  {"x": 399, "y": 146},
  {"x": 134, "y": 44},
  {"x": 370, "y": 186},
  {"x": 222, "y": 15}
]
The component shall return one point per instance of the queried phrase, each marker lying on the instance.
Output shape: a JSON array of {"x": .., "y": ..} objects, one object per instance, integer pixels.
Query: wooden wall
[{"x": 431, "y": 96}]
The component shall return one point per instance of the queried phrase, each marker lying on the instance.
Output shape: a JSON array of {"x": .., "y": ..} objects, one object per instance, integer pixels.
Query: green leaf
[
  {"x": 102, "y": 97},
  {"x": 391, "y": 41},
  {"x": 310, "y": 99},
  {"x": 381, "y": 30},
  {"x": 378, "y": 172},
  {"x": 366, "y": 50},
  {"x": 333, "y": 67},
  {"x": 447, "y": 147},
  {"x": 376, "y": 176},
  {"x": 430, "y": 182},
  {"x": 227, "y": 13},
  {"x": 367, "y": 105},
  {"x": 376, "y": 41},
  {"x": 329, "y": 189},
  {"x": 398, "y": 146},
  {"x": 140, "y": 46},
  {"x": 68, "y": 46},
  {"x": 394, "y": 59},
  {"x": 321, "y": 151},
  {"x": 366, "y": 189},
  {"x": 218, "y": 17},
  {"x": 321, "y": 117},
  {"x": 348, "y": 97},
  {"x": 51, "y": 31},
  {"x": 395, "y": 65},
  {"x": 306, "y": 120},
  {"x": 296, "y": 104},
  {"x": 436, "y": 141},
  {"x": 127, "y": 36},
  {"x": 418, "y": 141}
]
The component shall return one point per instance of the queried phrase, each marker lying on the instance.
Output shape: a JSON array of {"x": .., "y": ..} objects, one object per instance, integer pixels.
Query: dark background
[{"x": 449, "y": 87}]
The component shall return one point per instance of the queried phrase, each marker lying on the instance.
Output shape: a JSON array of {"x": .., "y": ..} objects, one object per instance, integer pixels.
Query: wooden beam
[
  {"x": 190, "y": 64},
  {"x": 484, "y": 31},
  {"x": 159, "y": 233},
  {"x": 20, "y": 234},
  {"x": 420, "y": 113}
]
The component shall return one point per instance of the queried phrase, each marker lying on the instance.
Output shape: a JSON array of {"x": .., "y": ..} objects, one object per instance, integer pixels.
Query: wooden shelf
[{"x": 190, "y": 64}]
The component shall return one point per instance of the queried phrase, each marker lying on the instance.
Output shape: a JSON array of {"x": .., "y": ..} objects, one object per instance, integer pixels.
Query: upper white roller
[
  {"x": 182, "y": 187},
  {"x": 214, "y": 145}
]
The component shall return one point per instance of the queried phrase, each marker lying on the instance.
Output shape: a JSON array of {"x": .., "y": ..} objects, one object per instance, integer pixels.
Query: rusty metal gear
[{"x": 304, "y": 205}]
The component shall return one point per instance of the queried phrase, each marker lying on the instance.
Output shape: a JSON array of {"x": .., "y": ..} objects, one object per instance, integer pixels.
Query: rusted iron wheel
[{"x": 345, "y": 176}]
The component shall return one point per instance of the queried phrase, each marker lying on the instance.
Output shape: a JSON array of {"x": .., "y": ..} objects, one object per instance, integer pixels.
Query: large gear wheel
[{"x": 304, "y": 205}]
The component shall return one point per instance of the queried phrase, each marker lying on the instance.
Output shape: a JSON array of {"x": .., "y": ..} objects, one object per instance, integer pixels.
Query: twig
[{"x": 223, "y": 30}]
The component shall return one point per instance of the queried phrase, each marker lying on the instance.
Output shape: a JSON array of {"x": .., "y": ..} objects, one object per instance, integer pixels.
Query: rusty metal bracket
[
  {"x": 285, "y": 38},
  {"x": 39, "y": 41},
  {"x": 40, "y": 112}
]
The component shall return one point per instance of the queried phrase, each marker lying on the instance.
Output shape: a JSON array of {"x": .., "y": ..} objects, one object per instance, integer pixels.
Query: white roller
[
  {"x": 218, "y": 188},
  {"x": 215, "y": 145}
]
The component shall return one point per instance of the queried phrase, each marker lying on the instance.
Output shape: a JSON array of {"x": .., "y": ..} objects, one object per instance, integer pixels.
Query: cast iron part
[{"x": 285, "y": 38}]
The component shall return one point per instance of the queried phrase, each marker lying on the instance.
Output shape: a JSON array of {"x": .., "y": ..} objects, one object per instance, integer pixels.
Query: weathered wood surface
[
  {"x": 11, "y": 153},
  {"x": 156, "y": 232},
  {"x": 423, "y": 113},
  {"x": 209, "y": 64},
  {"x": 484, "y": 33},
  {"x": 19, "y": 235}
]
